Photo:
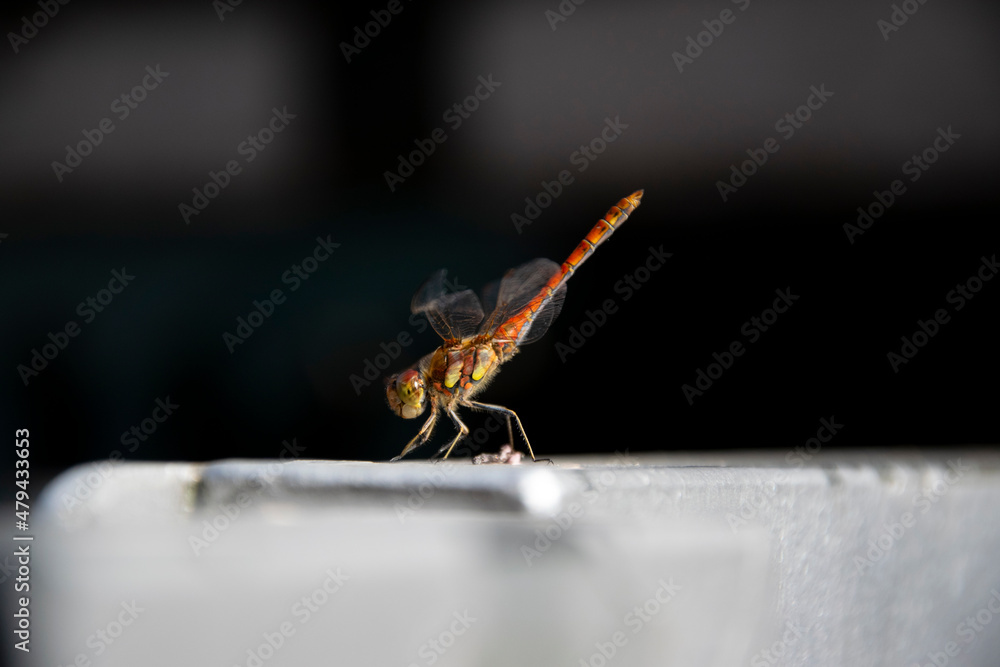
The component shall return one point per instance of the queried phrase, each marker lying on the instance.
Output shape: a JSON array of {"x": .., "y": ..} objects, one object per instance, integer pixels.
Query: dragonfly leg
[
  {"x": 463, "y": 431},
  {"x": 421, "y": 437},
  {"x": 509, "y": 413},
  {"x": 510, "y": 436}
]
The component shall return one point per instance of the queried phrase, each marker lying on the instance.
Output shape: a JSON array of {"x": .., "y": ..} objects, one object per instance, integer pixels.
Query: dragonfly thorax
[{"x": 465, "y": 369}]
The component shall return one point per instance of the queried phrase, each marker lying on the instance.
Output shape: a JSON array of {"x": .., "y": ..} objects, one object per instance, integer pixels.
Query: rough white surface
[{"x": 668, "y": 560}]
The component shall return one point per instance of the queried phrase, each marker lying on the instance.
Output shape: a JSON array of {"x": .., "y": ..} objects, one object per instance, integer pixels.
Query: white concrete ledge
[{"x": 721, "y": 559}]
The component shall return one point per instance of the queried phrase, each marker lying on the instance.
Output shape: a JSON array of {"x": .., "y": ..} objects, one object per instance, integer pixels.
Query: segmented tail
[
  {"x": 550, "y": 295},
  {"x": 601, "y": 232}
]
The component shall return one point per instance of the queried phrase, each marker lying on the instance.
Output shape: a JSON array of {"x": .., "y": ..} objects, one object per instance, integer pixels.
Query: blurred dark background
[{"x": 323, "y": 175}]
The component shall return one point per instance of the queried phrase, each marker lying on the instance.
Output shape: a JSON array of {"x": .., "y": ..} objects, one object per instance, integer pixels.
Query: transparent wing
[
  {"x": 451, "y": 314},
  {"x": 544, "y": 317},
  {"x": 489, "y": 300},
  {"x": 514, "y": 292}
]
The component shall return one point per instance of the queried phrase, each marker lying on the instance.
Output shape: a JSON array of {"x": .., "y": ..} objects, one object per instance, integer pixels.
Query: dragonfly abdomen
[
  {"x": 600, "y": 233},
  {"x": 518, "y": 326}
]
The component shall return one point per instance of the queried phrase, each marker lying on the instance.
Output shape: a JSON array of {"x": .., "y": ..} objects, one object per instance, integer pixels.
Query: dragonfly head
[{"x": 407, "y": 394}]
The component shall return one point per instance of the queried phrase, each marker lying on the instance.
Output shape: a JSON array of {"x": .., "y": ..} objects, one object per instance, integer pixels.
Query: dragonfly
[{"x": 521, "y": 307}]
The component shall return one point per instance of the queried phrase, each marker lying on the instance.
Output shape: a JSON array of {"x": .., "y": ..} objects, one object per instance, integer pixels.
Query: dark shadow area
[{"x": 806, "y": 160}]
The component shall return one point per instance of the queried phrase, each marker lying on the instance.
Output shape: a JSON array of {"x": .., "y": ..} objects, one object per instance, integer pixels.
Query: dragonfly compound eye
[{"x": 407, "y": 394}]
